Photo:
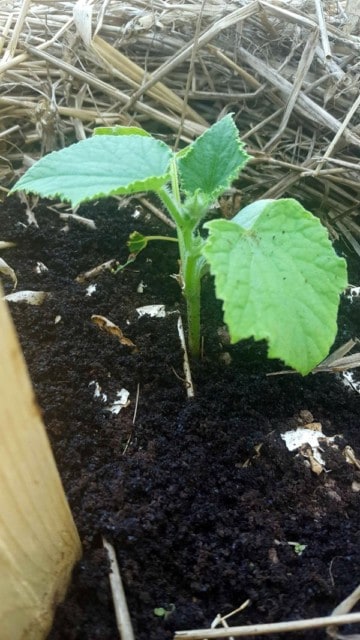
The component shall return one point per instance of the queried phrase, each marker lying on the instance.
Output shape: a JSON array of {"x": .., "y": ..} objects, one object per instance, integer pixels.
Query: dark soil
[{"x": 200, "y": 516}]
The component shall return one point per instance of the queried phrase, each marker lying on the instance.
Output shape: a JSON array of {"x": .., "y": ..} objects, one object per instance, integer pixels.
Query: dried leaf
[{"x": 109, "y": 327}]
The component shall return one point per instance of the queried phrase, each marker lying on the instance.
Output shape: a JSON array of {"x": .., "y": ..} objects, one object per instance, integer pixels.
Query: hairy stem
[
  {"x": 191, "y": 271},
  {"x": 172, "y": 206},
  {"x": 191, "y": 264},
  {"x": 192, "y": 290}
]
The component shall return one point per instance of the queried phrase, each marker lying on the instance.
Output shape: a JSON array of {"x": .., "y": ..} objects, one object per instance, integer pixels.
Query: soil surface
[{"x": 204, "y": 504}]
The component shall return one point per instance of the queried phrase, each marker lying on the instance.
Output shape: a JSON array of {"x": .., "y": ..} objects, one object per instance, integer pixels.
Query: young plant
[{"x": 274, "y": 267}]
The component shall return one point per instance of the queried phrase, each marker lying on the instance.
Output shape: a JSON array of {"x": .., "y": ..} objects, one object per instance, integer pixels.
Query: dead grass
[{"x": 289, "y": 73}]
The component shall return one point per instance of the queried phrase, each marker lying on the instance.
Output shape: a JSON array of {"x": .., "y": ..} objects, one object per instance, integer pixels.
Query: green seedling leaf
[
  {"x": 279, "y": 280},
  {"x": 213, "y": 161},
  {"x": 161, "y": 612},
  {"x": 98, "y": 167},
  {"x": 299, "y": 548},
  {"x": 119, "y": 130},
  {"x": 137, "y": 242}
]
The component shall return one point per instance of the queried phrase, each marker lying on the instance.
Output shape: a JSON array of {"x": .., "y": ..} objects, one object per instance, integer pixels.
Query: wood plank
[{"x": 39, "y": 543}]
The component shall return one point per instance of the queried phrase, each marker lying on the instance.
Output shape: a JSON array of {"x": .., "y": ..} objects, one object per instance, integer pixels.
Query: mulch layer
[{"x": 204, "y": 504}]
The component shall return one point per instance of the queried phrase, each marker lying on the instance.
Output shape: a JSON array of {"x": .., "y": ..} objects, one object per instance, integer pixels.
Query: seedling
[
  {"x": 162, "y": 612},
  {"x": 298, "y": 548},
  {"x": 274, "y": 266}
]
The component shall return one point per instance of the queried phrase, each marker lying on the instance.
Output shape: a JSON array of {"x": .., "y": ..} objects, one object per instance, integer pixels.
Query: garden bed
[{"x": 205, "y": 506}]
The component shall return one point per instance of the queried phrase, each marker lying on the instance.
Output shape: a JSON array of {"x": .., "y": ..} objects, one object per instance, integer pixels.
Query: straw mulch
[{"x": 289, "y": 70}]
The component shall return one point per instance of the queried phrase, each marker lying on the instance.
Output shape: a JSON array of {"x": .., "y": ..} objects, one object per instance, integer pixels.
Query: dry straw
[{"x": 289, "y": 70}]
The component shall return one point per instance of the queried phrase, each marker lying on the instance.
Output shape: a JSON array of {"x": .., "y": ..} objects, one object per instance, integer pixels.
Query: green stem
[
  {"x": 165, "y": 238},
  {"x": 191, "y": 262},
  {"x": 192, "y": 291},
  {"x": 191, "y": 271},
  {"x": 173, "y": 208}
]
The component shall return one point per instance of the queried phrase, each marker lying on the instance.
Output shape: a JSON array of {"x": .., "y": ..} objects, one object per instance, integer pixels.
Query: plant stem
[
  {"x": 191, "y": 271},
  {"x": 191, "y": 265},
  {"x": 171, "y": 205},
  {"x": 192, "y": 291},
  {"x": 165, "y": 238}
]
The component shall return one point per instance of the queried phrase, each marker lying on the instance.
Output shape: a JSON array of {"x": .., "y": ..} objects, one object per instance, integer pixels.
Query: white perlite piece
[
  {"x": 90, "y": 290},
  {"x": 98, "y": 394},
  {"x": 353, "y": 292},
  {"x": 152, "y": 310},
  {"x": 348, "y": 380},
  {"x": 300, "y": 437},
  {"x": 41, "y": 268},
  {"x": 121, "y": 402},
  {"x": 141, "y": 286}
]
